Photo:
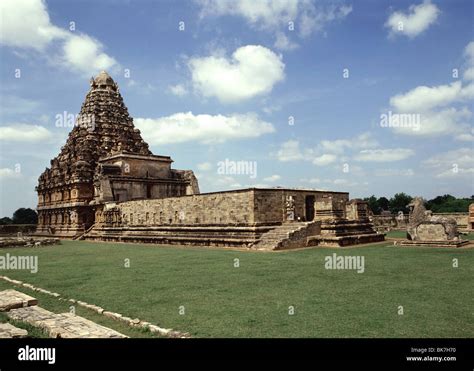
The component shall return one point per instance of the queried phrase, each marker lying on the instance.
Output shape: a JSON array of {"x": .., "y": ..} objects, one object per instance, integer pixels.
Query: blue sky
[{"x": 227, "y": 85}]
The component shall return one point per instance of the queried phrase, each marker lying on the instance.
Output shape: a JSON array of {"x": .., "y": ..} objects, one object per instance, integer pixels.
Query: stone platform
[
  {"x": 449, "y": 243},
  {"x": 27, "y": 241},
  {"x": 63, "y": 325},
  {"x": 11, "y": 299},
  {"x": 8, "y": 331},
  {"x": 22, "y": 307},
  {"x": 339, "y": 233},
  {"x": 186, "y": 235}
]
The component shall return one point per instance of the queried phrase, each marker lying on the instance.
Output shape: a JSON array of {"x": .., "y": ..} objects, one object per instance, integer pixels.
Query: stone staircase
[
  {"x": 22, "y": 307},
  {"x": 288, "y": 236}
]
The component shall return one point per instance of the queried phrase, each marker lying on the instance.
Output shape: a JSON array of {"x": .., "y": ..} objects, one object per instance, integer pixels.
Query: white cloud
[
  {"x": 313, "y": 19},
  {"x": 84, "y": 54},
  {"x": 289, "y": 151},
  {"x": 283, "y": 42},
  {"x": 273, "y": 16},
  {"x": 272, "y": 178},
  {"x": 466, "y": 137},
  {"x": 26, "y": 24},
  {"x": 438, "y": 110},
  {"x": 6, "y": 173},
  {"x": 455, "y": 163},
  {"x": 324, "y": 159},
  {"x": 384, "y": 155},
  {"x": 325, "y": 152},
  {"x": 424, "y": 98},
  {"x": 252, "y": 70},
  {"x": 364, "y": 140},
  {"x": 413, "y": 23},
  {"x": 185, "y": 126},
  {"x": 469, "y": 55},
  {"x": 24, "y": 133},
  {"x": 204, "y": 166},
  {"x": 179, "y": 90}
]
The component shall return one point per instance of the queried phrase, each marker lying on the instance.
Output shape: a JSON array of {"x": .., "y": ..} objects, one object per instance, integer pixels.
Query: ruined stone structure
[
  {"x": 106, "y": 185},
  {"x": 424, "y": 229},
  {"x": 104, "y": 159},
  {"x": 470, "y": 224}
]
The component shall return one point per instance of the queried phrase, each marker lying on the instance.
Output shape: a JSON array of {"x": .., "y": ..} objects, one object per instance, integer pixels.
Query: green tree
[
  {"x": 383, "y": 203},
  {"x": 372, "y": 203},
  {"x": 399, "y": 202},
  {"x": 5, "y": 220},
  {"x": 25, "y": 216}
]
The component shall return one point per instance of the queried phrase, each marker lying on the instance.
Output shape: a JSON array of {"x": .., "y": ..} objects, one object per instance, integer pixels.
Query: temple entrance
[{"x": 309, "y": 208}]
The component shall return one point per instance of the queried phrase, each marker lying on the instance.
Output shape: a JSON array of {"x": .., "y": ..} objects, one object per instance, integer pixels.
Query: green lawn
[
  {"x": 396, "y": 234},
  {"x": 253, "y": 300}
]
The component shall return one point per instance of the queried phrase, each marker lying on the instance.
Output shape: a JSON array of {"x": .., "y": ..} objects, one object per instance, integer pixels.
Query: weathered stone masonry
[{"x": 106, "y": 185}]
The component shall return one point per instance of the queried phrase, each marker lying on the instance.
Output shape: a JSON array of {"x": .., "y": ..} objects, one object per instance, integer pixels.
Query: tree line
[
  {"x": 399, "y": 202},
  {"x": 21, "y": 216}
]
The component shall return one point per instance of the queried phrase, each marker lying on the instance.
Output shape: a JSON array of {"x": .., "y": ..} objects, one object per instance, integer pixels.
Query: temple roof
[{"x": 103, "y": 81}]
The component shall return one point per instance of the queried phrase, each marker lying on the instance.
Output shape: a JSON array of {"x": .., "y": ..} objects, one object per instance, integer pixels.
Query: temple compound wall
[
  {"x": 106, "y": 185},
  {"x": 247, "y": 207},
  {"x": 264, "y": 219}
]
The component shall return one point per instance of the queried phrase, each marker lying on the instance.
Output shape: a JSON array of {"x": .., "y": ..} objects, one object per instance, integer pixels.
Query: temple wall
[
  {"x": 261, "y": 206},
  {"x": 270, "y": 204},
  {"x": 214, "y": 208},
  {"x": 142, "y": 168}
]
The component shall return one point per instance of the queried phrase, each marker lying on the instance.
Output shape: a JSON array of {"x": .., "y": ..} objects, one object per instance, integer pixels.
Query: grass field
[{"x": 253, "y": 300}]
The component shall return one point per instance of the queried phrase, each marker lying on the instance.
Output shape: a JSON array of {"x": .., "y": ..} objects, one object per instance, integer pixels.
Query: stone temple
[{"x": 106, "y": 185}]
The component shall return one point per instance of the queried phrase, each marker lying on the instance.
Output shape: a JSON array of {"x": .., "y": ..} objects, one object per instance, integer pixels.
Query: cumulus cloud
[
  {"x": 24, "y": 133},
  {"x": 274, "y": 15},
  {"x": 384, "y": 155},
  {"x": 290, "y": 151},
  {"x": 438, "y": 110},
  {"x": 364, "y": 140},
  {"x": 251, "y": 71},
  {"x": 85, "y": 54},
  {"x": 26, "y": 25},
  {"x": 424, "y": 98},
  {"x": 185, "y": 127},
  {"x": 413, "y": 23},
  {"x": 325, "y": 152}
]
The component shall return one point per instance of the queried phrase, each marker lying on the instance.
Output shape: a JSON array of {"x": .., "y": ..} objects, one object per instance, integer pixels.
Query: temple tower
[{"x": 103, "y": 142}]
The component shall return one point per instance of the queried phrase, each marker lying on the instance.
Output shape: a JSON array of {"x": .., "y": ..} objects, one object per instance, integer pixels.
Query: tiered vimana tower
[{"x": 104, "y": 160}]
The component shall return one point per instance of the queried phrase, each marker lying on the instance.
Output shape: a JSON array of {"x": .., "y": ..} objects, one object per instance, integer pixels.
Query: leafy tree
[
  {"x": 372, "y": 203},
  {"x": 399, "y": 202},
  {"x": 25, "y": 216},
  {"x": 383, "y": 203},
  {"x": 5, "y": 220}
]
